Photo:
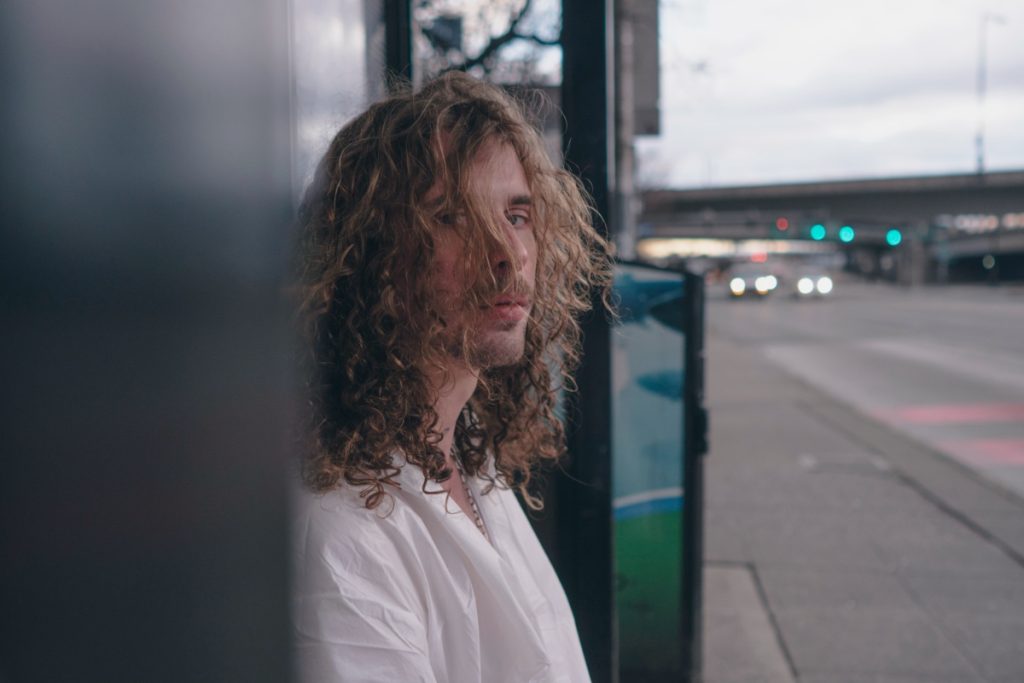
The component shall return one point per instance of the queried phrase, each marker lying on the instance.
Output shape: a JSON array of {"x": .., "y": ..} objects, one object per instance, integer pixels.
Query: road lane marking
[
  {"x": 988, "y": 451},
  {"x": 980, "y": 365},
  {"x": 962, "y": 413}
]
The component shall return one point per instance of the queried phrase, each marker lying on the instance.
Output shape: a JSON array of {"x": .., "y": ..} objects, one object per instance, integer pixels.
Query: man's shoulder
[
  {"x": 341, "y": 516},
  {"x": 337, "y": 542},
  {"x": 339, "y": 521}
]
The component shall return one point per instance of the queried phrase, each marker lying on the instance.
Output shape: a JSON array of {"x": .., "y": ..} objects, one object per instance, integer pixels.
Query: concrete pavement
[{"x": 838, "y": 550}]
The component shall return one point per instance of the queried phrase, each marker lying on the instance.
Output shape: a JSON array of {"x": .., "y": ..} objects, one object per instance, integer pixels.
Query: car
[
  {"x": 812, "y": 284},
  {"x": 755, "y": 282}
]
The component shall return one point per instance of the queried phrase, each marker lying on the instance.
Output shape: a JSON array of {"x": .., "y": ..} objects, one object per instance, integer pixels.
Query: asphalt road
[
  {"x": 864, "y": 504},
  {"x": 942, "y": 365}
]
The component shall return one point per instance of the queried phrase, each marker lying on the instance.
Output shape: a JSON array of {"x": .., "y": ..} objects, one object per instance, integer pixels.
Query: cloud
[{"x": 799, "y": 90}]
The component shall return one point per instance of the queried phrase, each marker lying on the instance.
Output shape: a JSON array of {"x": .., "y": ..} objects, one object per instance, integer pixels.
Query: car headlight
[
  {"x": 737, "y": 286},
  {"x": 761, "y": 285},
  {"x": 805, "y": 285},
  {"x": 771, "y": 282},
  {"x": 824, "y": 284}
]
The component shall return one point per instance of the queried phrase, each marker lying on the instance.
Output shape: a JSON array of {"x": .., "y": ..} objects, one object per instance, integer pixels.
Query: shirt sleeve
[
  {"x": 354, "y": 639},
  {"x": 355, "y": 613}
]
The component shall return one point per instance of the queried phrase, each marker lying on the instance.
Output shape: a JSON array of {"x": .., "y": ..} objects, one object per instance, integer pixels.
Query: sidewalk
[{"x": 837, "y": 551}]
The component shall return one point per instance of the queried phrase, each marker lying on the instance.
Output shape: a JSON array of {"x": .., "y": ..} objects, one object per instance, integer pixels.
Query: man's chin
[
  {"x": 503, "y": 356},
  {"x": 494, "y": 349}
]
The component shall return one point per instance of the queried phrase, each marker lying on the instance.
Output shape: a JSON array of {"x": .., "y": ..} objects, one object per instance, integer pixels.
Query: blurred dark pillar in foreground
[
  {"x": 144, "y": 352},
  {"x": 584, "y": 508}
]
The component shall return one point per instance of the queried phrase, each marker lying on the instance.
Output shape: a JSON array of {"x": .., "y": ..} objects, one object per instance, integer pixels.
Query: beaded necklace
[{"x": 457, "y": 457}]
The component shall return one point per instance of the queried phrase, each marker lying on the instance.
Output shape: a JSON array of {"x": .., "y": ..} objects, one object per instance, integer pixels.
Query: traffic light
[
  {"x": 780, "y": 228},
  {"x": 846, "y": 234},
  {"x": 818, "y": 232},
  {"x": 893, "y": 237}
]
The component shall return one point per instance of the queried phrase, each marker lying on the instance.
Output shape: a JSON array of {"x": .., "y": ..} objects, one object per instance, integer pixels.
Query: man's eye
[
  {"x": 449, "y": 219},
  {"x": 517, "y": 220}
]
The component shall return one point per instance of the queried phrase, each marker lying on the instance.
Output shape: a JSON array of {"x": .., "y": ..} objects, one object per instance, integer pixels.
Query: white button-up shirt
[{"x": 412, "y": 591}]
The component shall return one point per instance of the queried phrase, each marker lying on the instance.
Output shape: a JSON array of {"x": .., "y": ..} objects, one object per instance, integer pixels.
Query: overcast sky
[{"x": 765, "y": 91}]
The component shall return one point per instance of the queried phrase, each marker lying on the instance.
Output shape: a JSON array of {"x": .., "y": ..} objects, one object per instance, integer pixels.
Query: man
[{"x": 443, "y": 264}]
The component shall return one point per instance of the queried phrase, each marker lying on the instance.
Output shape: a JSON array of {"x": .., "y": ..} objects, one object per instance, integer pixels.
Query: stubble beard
[{"x": 500, "y": 346}]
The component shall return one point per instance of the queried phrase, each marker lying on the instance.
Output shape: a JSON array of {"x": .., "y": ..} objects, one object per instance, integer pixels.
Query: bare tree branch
[
  {"x": 533, "y": 38},
  {"x": 496, "y": 43},
  {"x": 448, "y": 57}
]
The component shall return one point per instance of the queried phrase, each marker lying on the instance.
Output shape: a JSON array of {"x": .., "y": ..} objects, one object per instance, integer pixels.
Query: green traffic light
[
  {"x": 818, "y": 232},
  {"x": 846, "y": 233},
  {"x": 893, "y": 237}
]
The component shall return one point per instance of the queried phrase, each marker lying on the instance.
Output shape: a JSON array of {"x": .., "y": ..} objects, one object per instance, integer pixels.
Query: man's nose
[{"x": 515, "y": 256}]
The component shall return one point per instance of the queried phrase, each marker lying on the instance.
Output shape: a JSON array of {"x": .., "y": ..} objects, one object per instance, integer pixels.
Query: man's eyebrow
[{"x": 520, "y": 200}]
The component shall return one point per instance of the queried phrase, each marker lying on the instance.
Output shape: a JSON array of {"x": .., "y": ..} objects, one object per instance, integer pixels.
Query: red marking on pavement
[
  {"x": 988, "y": 451},
  {"x": 955, "y": 414}
]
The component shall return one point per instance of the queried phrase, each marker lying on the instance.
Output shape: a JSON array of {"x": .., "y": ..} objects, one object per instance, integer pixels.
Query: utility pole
[{"x": 979, "y": 138}]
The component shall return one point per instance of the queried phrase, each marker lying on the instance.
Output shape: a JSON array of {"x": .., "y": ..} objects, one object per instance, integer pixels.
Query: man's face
[{"x": 498, "y": 328}]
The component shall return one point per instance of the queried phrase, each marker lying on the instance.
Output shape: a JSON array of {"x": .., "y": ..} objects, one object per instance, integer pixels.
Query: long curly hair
[{"x": 371, "y": 325}]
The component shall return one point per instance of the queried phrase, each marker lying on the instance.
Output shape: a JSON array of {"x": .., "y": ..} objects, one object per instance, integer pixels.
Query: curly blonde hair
[{"x": 370, "y": 324}]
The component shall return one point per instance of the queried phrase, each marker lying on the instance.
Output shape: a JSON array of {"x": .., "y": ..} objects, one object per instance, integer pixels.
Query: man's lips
[
  {"x": 512, "y": 308},
  {"x": 520, "y": 301}
]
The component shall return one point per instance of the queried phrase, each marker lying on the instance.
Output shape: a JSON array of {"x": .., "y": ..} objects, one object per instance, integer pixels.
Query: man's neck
[{"x": 453, "y": 391}]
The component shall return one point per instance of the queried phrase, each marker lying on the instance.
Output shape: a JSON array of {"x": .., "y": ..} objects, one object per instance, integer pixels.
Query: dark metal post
[
  {"x": 587, "y": 94},
  {"x": 398, "y": 38},
  {"x": 584, "y": 498},
  {"x": 696, "y": 446}
]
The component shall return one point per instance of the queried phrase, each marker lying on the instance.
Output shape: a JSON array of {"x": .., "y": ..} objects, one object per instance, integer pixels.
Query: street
[
  {"x": 943, "y": 365},
  {"x": 864, "y": 503}
]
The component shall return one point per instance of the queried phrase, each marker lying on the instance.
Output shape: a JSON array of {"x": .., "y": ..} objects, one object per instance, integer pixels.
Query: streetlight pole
[{"x": 979, "y": 138}]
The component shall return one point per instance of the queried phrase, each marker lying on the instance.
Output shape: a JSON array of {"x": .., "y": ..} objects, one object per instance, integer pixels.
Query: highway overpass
[{"x": 942, "y": 219}]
